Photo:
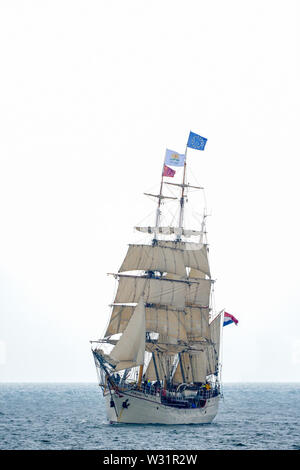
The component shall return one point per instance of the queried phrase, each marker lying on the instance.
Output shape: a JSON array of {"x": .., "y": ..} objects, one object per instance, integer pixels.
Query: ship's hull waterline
[{"x": 142, "y": 409}]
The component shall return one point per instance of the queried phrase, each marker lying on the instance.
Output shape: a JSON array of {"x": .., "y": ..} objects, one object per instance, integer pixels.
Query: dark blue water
[{"x": 72, "y": 416}]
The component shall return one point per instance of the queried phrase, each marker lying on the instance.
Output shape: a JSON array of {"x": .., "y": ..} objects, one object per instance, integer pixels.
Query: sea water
[{"x": 72, "y": 416}]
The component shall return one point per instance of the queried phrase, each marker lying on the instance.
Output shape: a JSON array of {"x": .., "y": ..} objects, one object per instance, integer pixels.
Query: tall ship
[{"x": 159, "y": 358}]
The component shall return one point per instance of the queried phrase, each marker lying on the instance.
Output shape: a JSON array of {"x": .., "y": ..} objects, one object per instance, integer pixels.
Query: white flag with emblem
[{"x": 174, "y": 158}]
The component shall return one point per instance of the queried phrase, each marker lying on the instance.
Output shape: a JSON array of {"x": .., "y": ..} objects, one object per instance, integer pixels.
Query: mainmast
[
  {"x": 157, "y": 219},
  {"x": 181, "y": 212},
  {"x": 157, "y": 222}
]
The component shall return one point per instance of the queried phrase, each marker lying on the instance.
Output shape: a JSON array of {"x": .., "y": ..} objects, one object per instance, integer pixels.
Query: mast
[
  {"x": 140, "y": 375},
  {"x": 181, "y": 213},
  {"x": 155, "y": 366},
  {"x": 181, "y": 367},
  {"x": 157, "y": 219},
  {"x": 202, "y": 227}
]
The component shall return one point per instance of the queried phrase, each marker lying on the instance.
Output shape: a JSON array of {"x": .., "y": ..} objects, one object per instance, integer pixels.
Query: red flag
[{"x": 168, "y": 171}]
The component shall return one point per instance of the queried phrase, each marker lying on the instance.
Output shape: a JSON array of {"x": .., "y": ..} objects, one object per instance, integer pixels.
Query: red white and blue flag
[{"x": 228, "y": 318}]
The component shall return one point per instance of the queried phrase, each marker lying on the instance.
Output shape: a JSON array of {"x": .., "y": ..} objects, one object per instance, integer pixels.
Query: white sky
[{"x": 91, "y": 94}]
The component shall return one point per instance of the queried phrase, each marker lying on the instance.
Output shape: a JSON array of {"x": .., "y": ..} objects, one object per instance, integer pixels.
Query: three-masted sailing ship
[{"x": 159, "y": 359}]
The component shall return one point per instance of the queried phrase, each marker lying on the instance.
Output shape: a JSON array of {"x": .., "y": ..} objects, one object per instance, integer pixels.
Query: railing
[
  {"x": 166, "y": 395},
  {"x": 172, "y": 398},
  {"x": 150, "y": 389}
]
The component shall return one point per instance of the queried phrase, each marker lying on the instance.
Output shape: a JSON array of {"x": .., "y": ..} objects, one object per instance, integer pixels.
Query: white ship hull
[{"x": 143, "y": 409}]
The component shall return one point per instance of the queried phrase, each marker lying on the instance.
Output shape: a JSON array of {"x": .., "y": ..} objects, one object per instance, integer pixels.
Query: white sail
[
  {"x": 195, "y": 254},
  {"x": 215, "y": 330},
  {"x": 158, "y": 291},
  {"x": 204, "y": 349},
  {"x": 167, "y": 322},
  {"x": 196, "y": 322},
  {"x": 196, "y": 274},
  {"x": 163, "y": 363},
  {"x": 150, "y": 373},
  {"x": 199, "y": 365},
  {"x": 119, "y": 319},
  {"x": 213, "y": 351},
  {"x": 212, "y": 359},
  {"x": 129, "y": 351},
  {"x": 195, "y": 362},
  {"x": 193, "y": 365},
  {"x": 163, "y": 320},
  {"x": 183, "y": 371},
  {"x": 198, "y": 293},
  {"x": 154, "y": 258}
]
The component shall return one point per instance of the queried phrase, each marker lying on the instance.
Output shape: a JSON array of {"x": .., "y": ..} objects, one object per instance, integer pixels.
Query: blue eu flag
[{"x": 196, "y": 141}]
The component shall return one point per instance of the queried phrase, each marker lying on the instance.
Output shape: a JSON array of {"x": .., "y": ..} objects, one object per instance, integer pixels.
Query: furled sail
[
  {"x": 154, "y": 258},
  {"x": 129, "y": 351},
  {"x": 165, "y": 348},
  {"x": 169, "y": 231},
  {"x": 158, "y": 291}
]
